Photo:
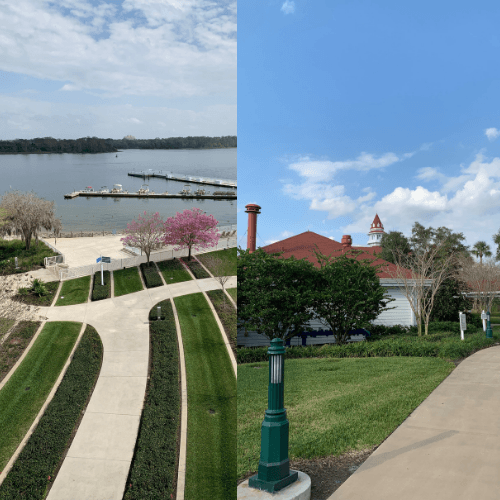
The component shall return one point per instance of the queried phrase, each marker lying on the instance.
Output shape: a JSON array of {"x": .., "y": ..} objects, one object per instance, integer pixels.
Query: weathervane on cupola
[{"x": 375, "y": 233}]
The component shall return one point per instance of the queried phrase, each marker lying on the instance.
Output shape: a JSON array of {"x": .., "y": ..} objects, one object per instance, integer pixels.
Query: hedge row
[
  {"x": 446, "y": 346},
  {"x": 39, "y": 461},
  {"x": 196, "y": 269},
  {"x": 154, "y": 465},
  {"x": 100, "y": 292},
  {"x": 151, "y": 276}
]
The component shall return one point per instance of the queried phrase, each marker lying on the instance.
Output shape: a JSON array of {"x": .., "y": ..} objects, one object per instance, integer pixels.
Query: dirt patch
[{"x": 328, "y": 473}]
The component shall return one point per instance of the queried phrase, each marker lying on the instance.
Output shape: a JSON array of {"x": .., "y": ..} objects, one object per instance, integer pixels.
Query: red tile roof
[{"x": 302, "y": 245}]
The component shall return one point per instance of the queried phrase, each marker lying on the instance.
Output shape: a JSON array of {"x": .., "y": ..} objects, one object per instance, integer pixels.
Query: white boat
[
  {"x": 201, "y": 191},
  {"x": 143, "y": 189},
  {"x": 117, "y": 188},
  {"x": 186, "y": 190},
  {"x": 104, "y": 190}
]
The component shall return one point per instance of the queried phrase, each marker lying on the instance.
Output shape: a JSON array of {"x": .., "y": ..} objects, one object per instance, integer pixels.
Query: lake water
[{"x": 51, "y": 176}]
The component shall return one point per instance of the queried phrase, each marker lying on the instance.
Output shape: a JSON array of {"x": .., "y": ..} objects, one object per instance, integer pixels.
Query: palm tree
[
  {"x": 496, "y": 239},
  {"x": 480, "y": 249}
]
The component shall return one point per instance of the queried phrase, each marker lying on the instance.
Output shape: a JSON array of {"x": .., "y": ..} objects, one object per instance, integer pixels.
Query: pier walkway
[{"x": 196, "y": 179}]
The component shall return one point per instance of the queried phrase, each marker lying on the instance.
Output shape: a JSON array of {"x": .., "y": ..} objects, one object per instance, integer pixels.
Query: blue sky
[
  {"x": 351, "y": 108},
  {"x": 110, "y": 68}
]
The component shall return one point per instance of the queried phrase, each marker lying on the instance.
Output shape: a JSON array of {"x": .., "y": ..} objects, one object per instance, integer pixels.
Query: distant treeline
[{"x": 96, "y": 145}]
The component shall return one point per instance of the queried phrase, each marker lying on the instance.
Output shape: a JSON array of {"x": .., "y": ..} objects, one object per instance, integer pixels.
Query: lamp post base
[
  {"x": 273, "y": 486},
  {"x": 298, "y": 490}
]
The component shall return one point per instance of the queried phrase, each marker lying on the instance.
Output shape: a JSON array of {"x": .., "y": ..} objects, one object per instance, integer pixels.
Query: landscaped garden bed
[
  {"x": 173, "y": 271},
  {"x": 196, "y": 268},
  {"x": 5, "y": 325},
  {"x": 154, "y": 465},
  {"x": 211, "y": 389},
  {"x": 334, "y": 406},
  {"x": 27, "y": 389},
  {"x": 100, "y": 292},
  {"x": 28, "y": 260},
  {"x": 227, "y": 314},
  {"x": 229, "y": 258},
  {"x": 38, "y": 463},
  {"x": 74, "y": 291},
  {"x": 152, "y": 278},
  {"x": 39, "y": 294},
  {"x": 15, "y": 344},
  {"x": 127, "y": 281}
]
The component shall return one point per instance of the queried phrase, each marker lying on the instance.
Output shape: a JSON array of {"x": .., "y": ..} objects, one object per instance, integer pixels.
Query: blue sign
[{"x": 98, "y": 260}]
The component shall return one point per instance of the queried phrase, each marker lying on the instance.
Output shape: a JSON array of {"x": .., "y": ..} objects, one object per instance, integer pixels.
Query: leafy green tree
[
  {"x": 449, "y": 301},
  {"x": 348, "y": 294},
  {"x": 275, "y": 294},
  {"x": 496, "y": 239},
  {"x": 481, "y": 248},
  {"x": 391, "y": 242}
]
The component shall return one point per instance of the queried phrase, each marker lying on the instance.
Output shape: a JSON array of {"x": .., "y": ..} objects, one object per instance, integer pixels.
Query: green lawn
[
  {"x": 232, "y": 292},
  {"x": 26, "y": 391},
  {"x": 27, "y": 259},
  {"x": 127, "y": 281},
  {"x": 334, "y": 405},
  {"x": 74, "y": 292},
  {"x": 173, "y": 271},
  {"x": 228, "y": 256},
  {"x": 211, "y": 388}
]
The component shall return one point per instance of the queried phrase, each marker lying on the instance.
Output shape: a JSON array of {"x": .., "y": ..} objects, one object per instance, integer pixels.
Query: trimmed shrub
[
  {"x": 100, "y": 292},
  {"x": 151, "y": 276},
  {"x": 196, "y": 269}
]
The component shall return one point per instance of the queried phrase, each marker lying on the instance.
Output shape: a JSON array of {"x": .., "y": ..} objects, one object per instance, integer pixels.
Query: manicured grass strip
[
  {"x": 154, "y": 465},
  {"x": 173, "y": 271},
  {"x": 196, "y": 269},
  {"x": 5, "y": 325},
  {"x": 334, "y": 405},
  {"x": 151, "y": 275},
  {"x": 228, "y": 256},
  {"x": 233, "y": 293},
  {"x": 43, "y": 300},
  {"x": 438, "y": 345},
  {"x": 127, "y": 281},
  {"x": 227, "y": 314},
  {"x": 25, "y": 392},
  {"x": 211, "y": 389},
  {"x": 100, "y": 292},
  {"x": 27, "y": 259},
  {"x": 13, "y": 347},
  {"x": 74, "y": 292},
  {"x": 43, "y": 453}
]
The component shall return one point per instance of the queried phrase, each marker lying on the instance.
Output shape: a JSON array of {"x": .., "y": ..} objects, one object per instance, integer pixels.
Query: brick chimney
[
  {"x": 346, "y": 241},
  {"x": 252, "y": 210}
]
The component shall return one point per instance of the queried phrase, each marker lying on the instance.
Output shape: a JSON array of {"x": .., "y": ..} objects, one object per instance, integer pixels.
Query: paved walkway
[
  {"x": 98, "y": 461},
  {"x": 448, "y": 448}
]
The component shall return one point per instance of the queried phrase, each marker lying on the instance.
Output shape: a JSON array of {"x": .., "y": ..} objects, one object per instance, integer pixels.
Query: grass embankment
[
  {"x": 127, "y": 281},
  {"x": 195, "y": 267},
  {"x": 227, "y": 315},
  {"x": 5, "y": 325},
  {"x": 233, "y": 293},
  {"x": 334, "y": 405},
  {"x": 13, "y": 347},
  {"x": 152, "y": 278},
  {"x": 211, "y": 389},
  {"x": 173, "y": 271},
  {"x": 31, "y": 297},
  {"x": 229, "y": 258},
  {"x": 100, "y": 292},
  {"x": 43, "y": 453},
  {"x": 28, "y": 260},
  {"x": 154, "y": 465},
  {"x": 24, "y": 394},
  {"x": 74, "y": 292}
]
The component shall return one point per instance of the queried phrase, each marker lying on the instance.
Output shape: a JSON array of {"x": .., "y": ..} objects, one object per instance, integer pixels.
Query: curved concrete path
[
  {"x": 97, "y": 463},
  {"x": 448, "y": 448}
]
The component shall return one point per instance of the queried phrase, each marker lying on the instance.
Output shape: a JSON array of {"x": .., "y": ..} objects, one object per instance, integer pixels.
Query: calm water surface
[{"x": 51, "y": 176}]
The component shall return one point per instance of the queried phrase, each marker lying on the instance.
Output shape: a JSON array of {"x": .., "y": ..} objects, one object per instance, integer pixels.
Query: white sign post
[
  {"x": 463, "y": 325},
  {"x": 484, "y": 317},
  {"x": 102, "y": 270}
]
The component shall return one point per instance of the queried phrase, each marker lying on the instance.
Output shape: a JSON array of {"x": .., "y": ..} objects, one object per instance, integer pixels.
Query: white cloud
[
  {"x": 492, "y": 133},
  {"x": 429, "y": 174},
  {"x": 288, "y": 7}
]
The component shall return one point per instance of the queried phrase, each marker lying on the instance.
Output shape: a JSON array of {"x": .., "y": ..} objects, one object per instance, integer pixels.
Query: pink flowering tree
[
  {"x": 145, "y": 233},
  {"x": 191, "y": 229}
]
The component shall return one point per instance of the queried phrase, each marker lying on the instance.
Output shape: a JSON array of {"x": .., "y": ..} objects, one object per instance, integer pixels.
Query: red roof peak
[{"x": 377, "y": 223}]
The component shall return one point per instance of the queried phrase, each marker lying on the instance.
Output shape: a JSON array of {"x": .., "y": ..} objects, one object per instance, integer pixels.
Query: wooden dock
[
  {"x": 152, "y": 195},
  {"x": 184, "y": 178}
]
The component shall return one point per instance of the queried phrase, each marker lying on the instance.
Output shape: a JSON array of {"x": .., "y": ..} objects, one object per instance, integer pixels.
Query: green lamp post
[
  {"x": 274, "y": 466},
  {"x": 489, "y": 331}
]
